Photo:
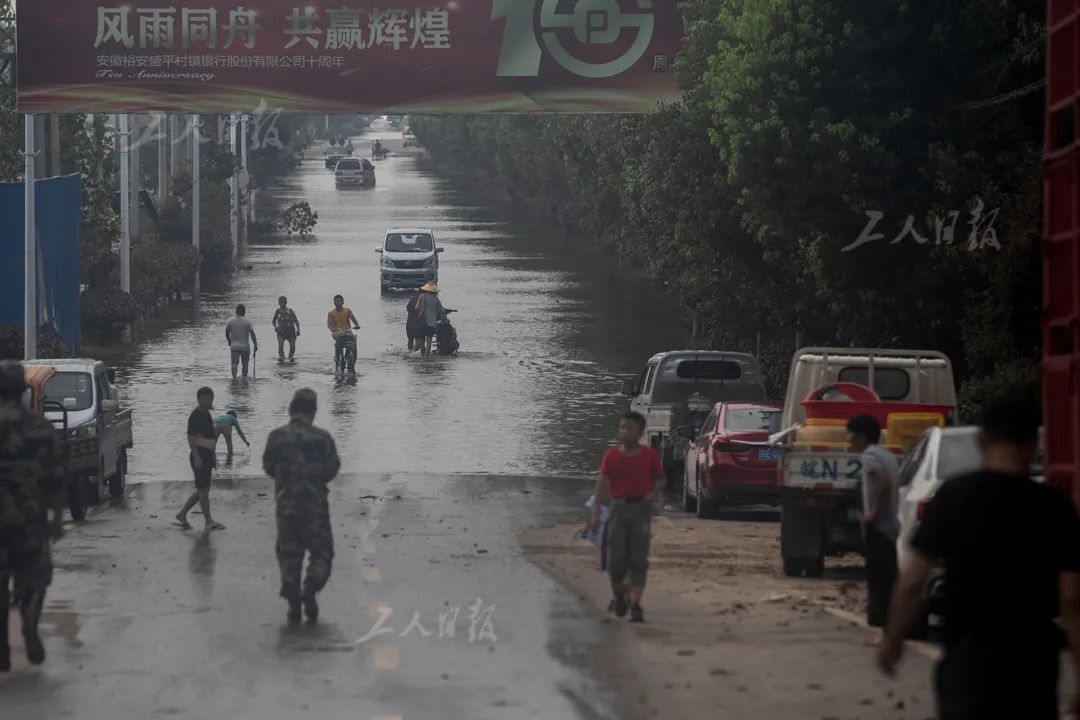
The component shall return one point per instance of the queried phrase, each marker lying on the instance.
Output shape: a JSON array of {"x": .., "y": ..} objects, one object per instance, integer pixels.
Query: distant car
[
  {"x": 410, "y": 259},
  {"x": 729, "y": 462},
  {"x": 409, "y": 140},
  {"x": 354, "y": 172}
]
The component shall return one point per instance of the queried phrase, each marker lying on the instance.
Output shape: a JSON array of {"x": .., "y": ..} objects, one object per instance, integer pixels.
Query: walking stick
[{"x": 254, "y": 357}]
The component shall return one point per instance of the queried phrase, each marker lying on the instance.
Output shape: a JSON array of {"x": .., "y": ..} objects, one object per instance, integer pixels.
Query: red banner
[{"x": 344, "y": 56}]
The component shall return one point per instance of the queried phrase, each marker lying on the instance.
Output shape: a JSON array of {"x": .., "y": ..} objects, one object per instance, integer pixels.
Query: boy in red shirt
[{"x": 631, "y": 478}]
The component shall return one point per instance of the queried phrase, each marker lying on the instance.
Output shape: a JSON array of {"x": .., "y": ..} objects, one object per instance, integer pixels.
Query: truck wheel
[
  {"x": 118, "y": 482},
  {"x": 689, "y": 504},
  {"x": 814, "y": 568},
  {"x": 94, "y": 483},
  {"x": 383, "y": 290},
  {"x": 706, "y": 509},
  {"x": 676, "y": 475},
  {"x": 76, "y": 497}
]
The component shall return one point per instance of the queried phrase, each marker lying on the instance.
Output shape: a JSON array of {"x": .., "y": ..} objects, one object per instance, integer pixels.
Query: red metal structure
[{"x": 1061, "y": 248}]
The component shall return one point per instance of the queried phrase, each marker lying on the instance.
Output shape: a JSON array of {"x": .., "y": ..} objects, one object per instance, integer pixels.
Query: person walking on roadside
[
  {"x": 1011, "y": 550},
  {"x": 202, "y": 440},
  {"x": 223, "y": 427},
  {"x": 412, "y": 323},
  {"x": 32, "y": 477},
  {"x": 430, "y": 311},
  {"x": 240, "y": 335},
  {"x": 287, "y": 327},
  {"x": 631, "y": 479},
  {"x": 879, "y": 521},
  {"x": 302, "y": 459}
]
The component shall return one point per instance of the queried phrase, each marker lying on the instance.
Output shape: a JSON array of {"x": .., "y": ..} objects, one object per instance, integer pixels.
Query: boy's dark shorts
[
  {"x": 239, "y": 356},
  {"x": 412, "y": 331},
  {"x": 629, "y": 531},
  {"x": 202, "y": 475}
]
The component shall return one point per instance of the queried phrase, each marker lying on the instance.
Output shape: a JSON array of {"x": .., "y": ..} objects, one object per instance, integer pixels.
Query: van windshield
[
  {"x": 348, "y": 165},
  {"x": 679, "y": 379},
  {"x": 73, "y": 390},
  {"x": 419, "y": 243}
]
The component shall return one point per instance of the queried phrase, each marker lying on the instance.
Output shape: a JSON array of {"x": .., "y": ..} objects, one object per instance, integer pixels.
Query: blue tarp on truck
[{"x": 59, "y": 220}]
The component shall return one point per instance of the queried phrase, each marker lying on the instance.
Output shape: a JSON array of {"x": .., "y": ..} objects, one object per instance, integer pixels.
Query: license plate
[{"x": 769, "y": 454}]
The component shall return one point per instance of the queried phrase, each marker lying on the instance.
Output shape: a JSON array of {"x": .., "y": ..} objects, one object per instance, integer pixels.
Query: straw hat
[{"x": 430, "y": 287}]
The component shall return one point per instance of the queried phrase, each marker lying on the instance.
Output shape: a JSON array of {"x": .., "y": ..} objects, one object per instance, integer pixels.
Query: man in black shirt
[
  {"x": 1011, "y": 548},
  {"x": 202, "y": 441}
]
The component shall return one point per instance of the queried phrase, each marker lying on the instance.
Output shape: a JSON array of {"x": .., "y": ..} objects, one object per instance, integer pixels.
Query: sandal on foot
[
  {"x": 183, "y": 524},
  {"x": 215, "y": 526}
]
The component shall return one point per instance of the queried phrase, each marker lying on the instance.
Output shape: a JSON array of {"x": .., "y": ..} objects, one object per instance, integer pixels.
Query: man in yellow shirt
[{"x": 341, "y": 321}]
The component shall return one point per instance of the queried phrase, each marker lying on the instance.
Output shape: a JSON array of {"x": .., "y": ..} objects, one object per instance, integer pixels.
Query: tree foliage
[{"x": 799, "y": 118}]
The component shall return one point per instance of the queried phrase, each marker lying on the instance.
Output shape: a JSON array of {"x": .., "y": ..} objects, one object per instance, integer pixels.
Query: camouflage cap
[{"x": 12, "y": 377}]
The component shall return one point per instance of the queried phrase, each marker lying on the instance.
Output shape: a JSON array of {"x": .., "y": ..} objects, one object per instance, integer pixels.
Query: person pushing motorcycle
[{"x": 341, "y": 322}]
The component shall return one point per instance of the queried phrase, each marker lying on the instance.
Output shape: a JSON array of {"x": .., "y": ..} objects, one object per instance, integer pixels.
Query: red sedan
[{"x": 728, "y": 464}]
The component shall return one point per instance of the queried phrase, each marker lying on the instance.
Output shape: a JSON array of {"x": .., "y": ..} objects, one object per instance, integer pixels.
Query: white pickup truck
[
  {"x": 820, "y": 495},
  {"x": 99, "y": 431}
]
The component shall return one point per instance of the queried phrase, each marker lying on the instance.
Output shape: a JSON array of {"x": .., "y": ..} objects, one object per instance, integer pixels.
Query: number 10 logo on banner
[{"x": 594, "y": 22}]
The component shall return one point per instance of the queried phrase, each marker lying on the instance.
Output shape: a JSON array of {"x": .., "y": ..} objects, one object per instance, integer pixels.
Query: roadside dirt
[
  {"x": 727, "y": 635},
  {"x": 738, "y": 554}
]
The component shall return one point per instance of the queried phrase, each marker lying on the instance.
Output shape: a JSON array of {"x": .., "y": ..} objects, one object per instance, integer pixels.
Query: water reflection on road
[{"x": 547, "y": 328}]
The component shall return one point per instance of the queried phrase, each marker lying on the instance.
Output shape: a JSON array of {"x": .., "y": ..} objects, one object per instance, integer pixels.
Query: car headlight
[
  {"x": 430, "y": 264},
  {"x": 387, "y": 263}
]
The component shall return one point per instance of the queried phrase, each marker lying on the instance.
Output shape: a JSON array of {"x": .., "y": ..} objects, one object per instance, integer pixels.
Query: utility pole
[
  {"x": 30, "y": 246},
  {"x": 162, "y": 158},
  {"x": 234, "y": 193},
  {"x": 54, "y": 145},
  {"x": 41, "y": 165},
  {"x": 174, "y": 148},
  {"x": 125, "y": 203},
  {"x": 135, "y": 150},
  {"x": 196, "y": 136},
  {"x": 244, "y": 143}
]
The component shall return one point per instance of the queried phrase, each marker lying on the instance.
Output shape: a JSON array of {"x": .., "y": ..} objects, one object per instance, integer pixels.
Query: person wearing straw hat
[{"x": 430, "y": 311}]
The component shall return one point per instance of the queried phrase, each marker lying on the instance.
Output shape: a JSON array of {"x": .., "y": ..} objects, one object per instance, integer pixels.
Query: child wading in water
[{"x": 224, "y": 424}]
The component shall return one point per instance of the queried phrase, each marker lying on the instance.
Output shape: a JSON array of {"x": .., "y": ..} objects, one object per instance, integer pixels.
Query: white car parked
[{"x": 941, "y": 453}]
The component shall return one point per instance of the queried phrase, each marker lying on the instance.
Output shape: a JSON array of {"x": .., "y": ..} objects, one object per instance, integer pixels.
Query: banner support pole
[
  {"x": 30, "y": 245},
  {"x": 125, "y": 204},
  {"x": 196, "y": 137},
  {"x": 234, "y": 193}
]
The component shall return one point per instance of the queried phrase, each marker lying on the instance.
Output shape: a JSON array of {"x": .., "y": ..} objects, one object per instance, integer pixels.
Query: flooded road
[{"x": 547, "y": 327}]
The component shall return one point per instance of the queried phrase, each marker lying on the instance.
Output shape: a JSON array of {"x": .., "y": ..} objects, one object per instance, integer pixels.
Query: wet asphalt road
[{"x": 147, "y": 620}]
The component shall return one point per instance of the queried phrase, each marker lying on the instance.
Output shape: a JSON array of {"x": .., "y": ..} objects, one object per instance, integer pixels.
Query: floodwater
[{"x": 548, "y": 328}]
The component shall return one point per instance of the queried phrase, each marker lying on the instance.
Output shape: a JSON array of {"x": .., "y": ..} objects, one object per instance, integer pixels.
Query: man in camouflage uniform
[
  {"x": 302, "y": 459},
  {"x": 32, "y": 478}
]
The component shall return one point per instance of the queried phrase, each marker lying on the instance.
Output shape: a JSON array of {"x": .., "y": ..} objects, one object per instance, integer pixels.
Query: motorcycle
[
  {"x": 446, "y": 340},
  {"x": 344, "y": 352}
]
